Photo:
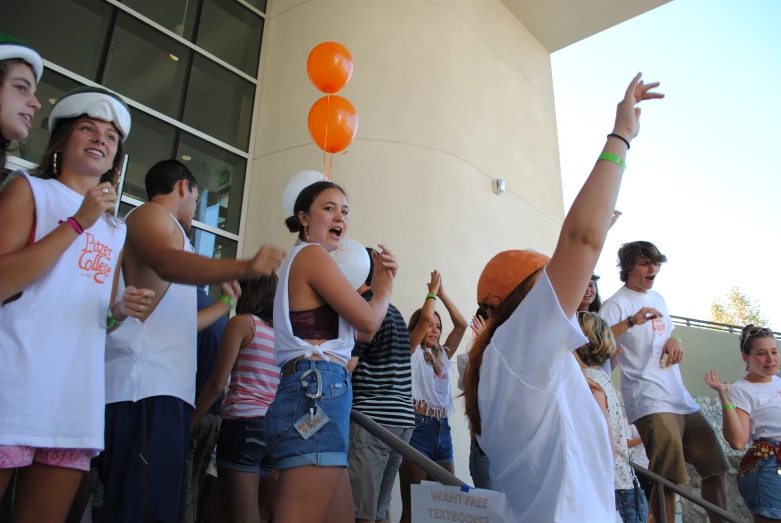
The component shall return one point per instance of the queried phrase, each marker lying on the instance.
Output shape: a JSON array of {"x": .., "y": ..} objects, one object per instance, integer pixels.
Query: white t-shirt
[
  {"x": 429, "y": 388},
  {"x": 541, "y": 428},
  {"x": 53, "y": 338},
  {"x": 638, "y": 451},
  {"x": 762, "y": 401},
  {"x": 646, "y": 386}
]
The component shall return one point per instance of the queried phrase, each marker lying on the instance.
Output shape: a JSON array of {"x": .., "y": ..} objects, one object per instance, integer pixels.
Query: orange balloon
[
  {"x": 330, "y": 66},
  {"x": 333, "y": 123}
]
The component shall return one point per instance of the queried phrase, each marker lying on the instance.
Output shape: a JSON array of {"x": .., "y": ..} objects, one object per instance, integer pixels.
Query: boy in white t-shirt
[{"x": 670, "y": 424}]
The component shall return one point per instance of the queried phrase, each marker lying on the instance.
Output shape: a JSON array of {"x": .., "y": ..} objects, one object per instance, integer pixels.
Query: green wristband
[
  {"x": 432, "y": 296},
  {"x": 230, "y": 302},
  {"x": 727, "y": 407},
  {"x": 610, "y": 157},
  {"x": 676, "y": 337}
]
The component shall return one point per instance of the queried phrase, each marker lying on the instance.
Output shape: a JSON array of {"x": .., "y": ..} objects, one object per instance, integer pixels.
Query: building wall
[{"x": 450, "y": 95}]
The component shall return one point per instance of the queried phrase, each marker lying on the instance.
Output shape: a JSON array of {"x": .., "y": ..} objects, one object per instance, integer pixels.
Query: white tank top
[
  {"x": 430, "y": 389},
  {"x": 159, "y": 356},
  {"x": 52, "y": 339},
  {"x": 288, "y": 346}
]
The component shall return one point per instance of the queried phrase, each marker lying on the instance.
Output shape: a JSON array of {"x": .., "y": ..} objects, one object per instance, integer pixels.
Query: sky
[{"x": 703, "y": 178}]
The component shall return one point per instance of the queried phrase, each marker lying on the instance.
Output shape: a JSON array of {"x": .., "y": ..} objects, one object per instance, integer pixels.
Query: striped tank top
[{"x": 255, "y": 376}]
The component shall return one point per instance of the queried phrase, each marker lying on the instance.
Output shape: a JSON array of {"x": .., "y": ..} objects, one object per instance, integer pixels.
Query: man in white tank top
[{"x": 151, "y": 361}]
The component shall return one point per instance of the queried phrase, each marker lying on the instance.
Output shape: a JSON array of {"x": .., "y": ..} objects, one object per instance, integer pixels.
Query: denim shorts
[
  {"x": 762, "y": 489},
  {"x": 241, "y": 446},
  {"x": 431, "y": 438},
  {"x": 328, "y": 446},
  {"x": 632, "y": 505}
]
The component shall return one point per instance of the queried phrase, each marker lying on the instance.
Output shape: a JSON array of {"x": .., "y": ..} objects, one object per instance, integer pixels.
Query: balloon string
[
  {"x": 330, "y": 165},
  {"x": 325, "y": 142}
]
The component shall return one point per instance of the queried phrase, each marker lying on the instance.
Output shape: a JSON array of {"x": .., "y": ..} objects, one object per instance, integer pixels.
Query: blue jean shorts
[
  {"x": 761, "y": 489},
  {"x": 241, "y": 446},
  {"x": 328, "y": 446},
  {"x": 431, "y": 438},
  {"x": 632, "y": 505}
]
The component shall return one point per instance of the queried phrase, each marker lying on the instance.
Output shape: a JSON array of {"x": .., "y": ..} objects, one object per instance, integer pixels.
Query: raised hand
[
  {"x": 477, "y": 325},
  {"x": 389, "y": 262},
  {"x": 267, "y": 260},
  {"x": 724, "y": 389},
  {"x": 627, "y": 115},
  {"x": 134, "y": 302},
  {"x": 615, "y": 217},
  {"x": 97, "y": 201},
  {"x": 231, "y": 289},
  {"x": 435, "y": 283}
]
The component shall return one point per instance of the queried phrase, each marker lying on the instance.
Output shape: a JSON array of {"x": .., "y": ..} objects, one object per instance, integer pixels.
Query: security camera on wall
[{"x": 500, "y": 185}]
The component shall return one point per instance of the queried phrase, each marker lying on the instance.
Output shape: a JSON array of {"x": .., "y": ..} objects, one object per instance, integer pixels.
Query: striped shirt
[
  {"x": 254, "y": 378},
  {"x": 382, "y": 381}
]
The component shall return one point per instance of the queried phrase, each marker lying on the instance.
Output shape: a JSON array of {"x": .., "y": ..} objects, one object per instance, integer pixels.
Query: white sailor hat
[
  {"x": 95, "y": 102},
  {"x": 11, "y": 47}
]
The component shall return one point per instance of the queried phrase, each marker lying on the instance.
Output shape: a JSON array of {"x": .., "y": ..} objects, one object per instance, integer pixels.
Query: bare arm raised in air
[
  {"x": 735, "y": 422},
  {"x": 585, "y": 227},
  {"x": 459, "y": 322},
  {"x": 426, "y": 312}
]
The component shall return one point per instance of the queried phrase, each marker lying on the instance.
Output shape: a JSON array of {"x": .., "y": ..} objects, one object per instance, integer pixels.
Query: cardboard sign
[{"x": 433, "y": 502}]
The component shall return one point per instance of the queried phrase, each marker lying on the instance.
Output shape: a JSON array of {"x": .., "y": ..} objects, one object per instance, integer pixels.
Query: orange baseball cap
[{"x": 504, "y": 273}]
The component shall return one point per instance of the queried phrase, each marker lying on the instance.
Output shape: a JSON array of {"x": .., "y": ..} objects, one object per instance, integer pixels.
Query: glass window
[
  {"x": 260, "y": 5},
  {"x": 70, "y": 33},
  {"x": 178, "y": 16},
  {"x": 220, "y": 176},
  {"x": 219, "y": 103},
  {"x": 150, "y": 141},
  {"x": 146, "y": 66},
  {"x": 232, "y": 32},
  {"x": 125, "y": 208},
  {"x": 50, "y": 88},
  {"x": 210, "y": 245}
]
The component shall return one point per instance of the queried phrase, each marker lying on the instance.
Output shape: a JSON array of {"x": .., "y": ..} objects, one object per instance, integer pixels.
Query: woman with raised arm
[
  {"x": 60, "y": 247},
  {"x": 317, "y": 313},
  {"x": 526, "y": 397},
  {"x": 431, "y": 369},
  {"x": 21, "y": 68},
  {"x": 752, "y": 414}
]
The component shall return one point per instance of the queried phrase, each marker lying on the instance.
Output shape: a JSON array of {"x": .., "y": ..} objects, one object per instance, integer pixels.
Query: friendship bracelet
[
  {"x": 610, "y": 157},
  {"x": 614, "y": 135},
  {"x": 432, "y": 296},
  {"x": 629, "y": 321},
  {"x": 76, "y": 226},
  {"x": 727, "y": 407},
  {"x": 676, "y": 337},
  {"x": 111, "y": 319},
  {"x": 230, "y": 302}
]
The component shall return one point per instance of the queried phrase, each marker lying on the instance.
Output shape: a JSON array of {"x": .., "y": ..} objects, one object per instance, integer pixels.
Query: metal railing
[
  {"x": 711, "y": 325},
  {"x": 446, "y": 478},
  {"x": 662, "y": 484}
]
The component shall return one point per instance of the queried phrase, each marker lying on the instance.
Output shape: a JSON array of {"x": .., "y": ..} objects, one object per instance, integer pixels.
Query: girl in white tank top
[
  {"x": 60, "y": 247},
  {"x": 308, "y": 424}
]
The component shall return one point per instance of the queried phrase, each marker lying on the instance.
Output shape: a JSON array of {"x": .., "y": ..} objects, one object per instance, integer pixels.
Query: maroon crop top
[{"x": 321, "y": 323}]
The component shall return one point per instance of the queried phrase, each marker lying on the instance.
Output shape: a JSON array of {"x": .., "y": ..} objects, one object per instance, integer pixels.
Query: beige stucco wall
[
  {"x": 705, "y": 350},
  {"x": 450, "y": 94}
]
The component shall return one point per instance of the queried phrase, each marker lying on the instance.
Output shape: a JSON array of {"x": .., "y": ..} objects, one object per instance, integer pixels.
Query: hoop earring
[{"x": 54, "y": 167}]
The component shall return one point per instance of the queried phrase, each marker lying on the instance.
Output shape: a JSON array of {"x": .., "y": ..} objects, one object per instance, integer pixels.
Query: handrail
[
  {"x": 446, "y": 478},
  {"x": 378, "y": 431},
  {"x": 697, "y": 500},
  {"x": 711, "y": 325}
]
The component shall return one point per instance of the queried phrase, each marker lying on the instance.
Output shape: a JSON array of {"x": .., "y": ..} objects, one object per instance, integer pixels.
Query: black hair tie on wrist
[{"x": 614, "y": 135}]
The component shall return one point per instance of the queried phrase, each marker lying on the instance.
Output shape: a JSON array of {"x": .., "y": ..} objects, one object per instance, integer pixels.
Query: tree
[{"x": 737, "y": 309}]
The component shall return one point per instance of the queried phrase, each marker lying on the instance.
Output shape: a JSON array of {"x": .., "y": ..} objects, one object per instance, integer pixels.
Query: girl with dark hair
[
  {"x": 526, "y": 398},
  {"x": 59, "y": 255},
  {"x": 431, "y": 368},
  {"x": 317, "y": 314},
  {"x": 752, "y": 414},
  {"x": 21, "y": 68},
  {"x": 246, "y": 356},
  {"x": 591, "y": 301}
]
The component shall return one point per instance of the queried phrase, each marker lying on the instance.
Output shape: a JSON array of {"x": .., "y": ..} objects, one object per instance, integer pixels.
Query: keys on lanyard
[{"x": 307, "y": 425}]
